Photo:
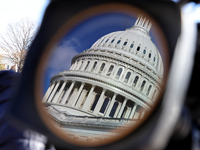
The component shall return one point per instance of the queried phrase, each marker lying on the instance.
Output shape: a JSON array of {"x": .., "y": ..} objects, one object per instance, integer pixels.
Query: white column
[
  {"x": 111, "y": 105},
  {"x": 63, "y": 101},
  {"x": 56, "y": 98},
  {"x": 72, "y": 97},
  {"x": 127, "y": 112},
  {"x": 97, "y": 68},
  {"x": 53, "y": 92},
  {"x": 71, "y": 68},
  {"x": 84, "y": 64},
  {"x": 133, "y": 111},
  {"x": 48, "y": 92},
  {"x": 78, "y": 65},
  {"x": 81, "y": 98},
  {"x": 61, "y": 96},
  {"x": 139, "y": 83},
  {"x": 88, "y": 101},
  {"x": 122, "y": 108},
  {"x": 100, "y": 102},
  {"x": 106, "y": 68},
  {"x": 90, "y": 65},
  {"x": 117, "y": 110},
  {"x": 75, "y": 65},
  {"x": 123, "y": 75},
  {"x": 136, "y": 116},
  {"x": 77, "y": 95},
  {"x": 142, "y": 114}
]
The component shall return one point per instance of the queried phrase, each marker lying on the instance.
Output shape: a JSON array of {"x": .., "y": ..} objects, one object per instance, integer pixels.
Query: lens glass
[{"x": 104, "y": 75}]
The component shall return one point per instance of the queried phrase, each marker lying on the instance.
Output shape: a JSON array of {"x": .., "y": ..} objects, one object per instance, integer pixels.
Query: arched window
[
  {"x": 125, "y": 43},
  {"x": 142, "y": 86},
  {"x": 154, "y": 59},
  {"x": 118, "y": 73},
  {"x": 95, "y": 102},
  {"x": 113, "y": 110},
  {"x": 135, "y": 81},
  {"x": 131, "y": 46},
  {"x": 112, "y": 40},
  {"x": 93, "y": 67},
  {"x": 87, "y": 65},
  {"x": 149, "y": 55},
  {"x": 149, "y": 90},
  {"x": 102, "y": 67},
  {"x": 81, "y": 65},
  {"x": 138, "y": 48},
  {"x": 144, "y": 52},
  {"x": 101, "y": 41},
  {"x": 118, "y": 41},
  {"x": 110, "y": 70},
  {"x": 127, "y": 77},
  {"x": 104, "y": 105}
]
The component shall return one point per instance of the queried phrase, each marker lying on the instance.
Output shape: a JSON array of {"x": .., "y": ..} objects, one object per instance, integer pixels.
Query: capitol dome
[
  {"x": 134, "y": 42},
  {"x": 120, "y": 76}
]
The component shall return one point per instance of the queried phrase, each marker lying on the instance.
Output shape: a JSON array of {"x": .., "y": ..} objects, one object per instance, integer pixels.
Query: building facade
[{"x": 114, "y": 82}]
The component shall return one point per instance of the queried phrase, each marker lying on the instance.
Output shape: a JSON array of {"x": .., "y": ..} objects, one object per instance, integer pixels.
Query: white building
[{"x": 117, "y": 79}]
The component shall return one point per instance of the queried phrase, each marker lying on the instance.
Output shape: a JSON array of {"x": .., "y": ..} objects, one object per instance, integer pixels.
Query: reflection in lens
[{"x": 111, "y": 85}]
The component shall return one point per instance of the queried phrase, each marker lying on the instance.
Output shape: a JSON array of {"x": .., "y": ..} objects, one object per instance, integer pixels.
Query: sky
[{"x": 15, "y": 10}]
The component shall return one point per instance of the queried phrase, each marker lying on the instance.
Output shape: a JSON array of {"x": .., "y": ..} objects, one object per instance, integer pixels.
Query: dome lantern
[{"x": 142, "y": 23}]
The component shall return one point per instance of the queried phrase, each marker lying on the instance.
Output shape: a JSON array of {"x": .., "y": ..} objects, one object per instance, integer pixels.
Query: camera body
[{"x": 172, "y": 115}]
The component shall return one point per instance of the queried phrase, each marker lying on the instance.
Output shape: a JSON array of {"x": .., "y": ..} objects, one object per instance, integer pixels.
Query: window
[
  {"x": 138, "y": 48},
  {"x": 87, "y": 65},
  {"x": 149, "y": 55},
  {"x": 154, "y": 59},
  {"x": 149, "y": 90},
  {"x": 125, "y": 43},
  {"x": 127, "y": 77},
  {"x": 112, "y": 40},
  {"x": 144, "y": 52},
  {"x": 81, "y": 65},
  {"x": 93, "y": 67},
  {"x": 95, "y": 102},
  {"x": 118, "y": 73},
  {"x": 113, "y": 110},
  {"x": 135, "y": 81},
  {"x": 102, "y": 67},
  {"x": 131, "y": 46},
  {"x": 104, "y": 105},
  {"x": 106, "y": 40},
  {"x": 110, "y": 70},
  {"x": 118, "y": 41},
  {"x": 101, "y": 41},
  {"x": 142, "y": 86}
]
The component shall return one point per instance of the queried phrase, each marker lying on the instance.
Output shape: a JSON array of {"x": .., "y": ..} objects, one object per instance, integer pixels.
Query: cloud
[{"x": 62, "y": 55}]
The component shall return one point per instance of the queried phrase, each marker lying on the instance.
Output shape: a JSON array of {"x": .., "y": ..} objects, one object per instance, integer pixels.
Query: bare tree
[
  {"x": 1, "y": 63},
  {"x": 17, "y": 40}
]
